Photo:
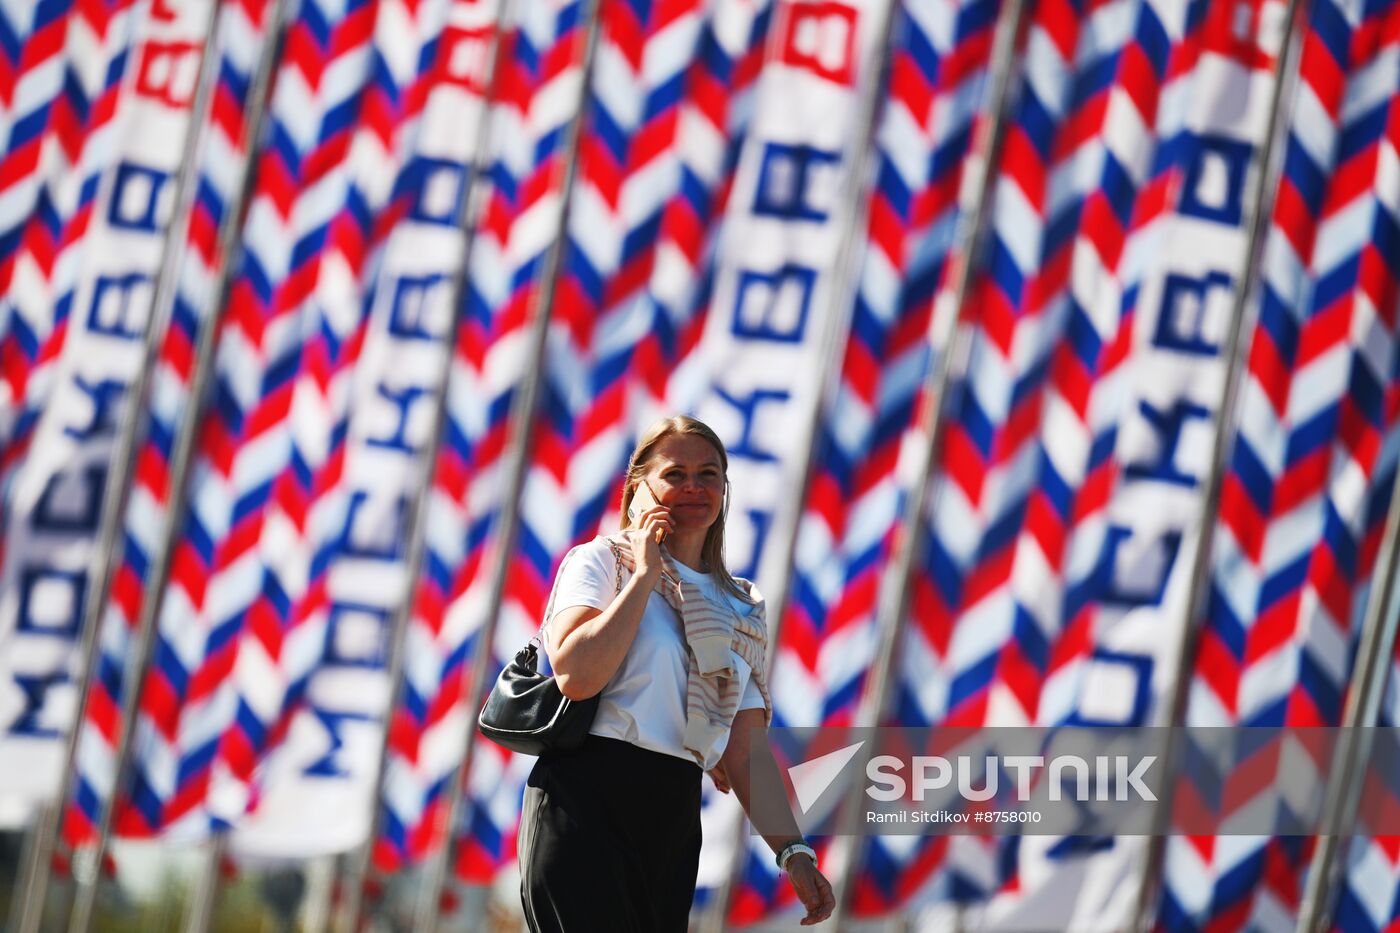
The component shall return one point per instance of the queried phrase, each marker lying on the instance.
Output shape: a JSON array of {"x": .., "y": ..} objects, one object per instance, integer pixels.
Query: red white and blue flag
[
  {"x": 79, "y": 294},
  {"x": 538, "y": 82},
  {"x": 1312, "y": 465}
]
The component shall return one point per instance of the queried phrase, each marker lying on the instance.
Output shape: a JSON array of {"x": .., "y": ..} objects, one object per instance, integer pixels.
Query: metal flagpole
[
  {"x": 358, "y": 863},
  {"x": 206, "y": 886},
  {"x": 34, "y": 866},
  {"x": 1352, "y": 754},
  {"x": 1265, "y": 183},
  {"x": 143, "y": 641},
  {"x": 895, "y": 594},
  {"x": 316, "y": 905},
  {"x": 839, "y": 308},
  {"x": 521, "y": 418},
  {"x": 38, "y": 866}
]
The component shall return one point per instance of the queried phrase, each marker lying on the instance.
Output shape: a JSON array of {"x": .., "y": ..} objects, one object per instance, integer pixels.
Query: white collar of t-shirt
[{"x": 709, "y": 585}]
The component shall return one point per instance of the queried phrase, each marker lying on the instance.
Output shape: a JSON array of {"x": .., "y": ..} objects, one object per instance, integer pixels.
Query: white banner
[
  {"x": 761, "y": 365},
  {"x": 316, "y": 793},
  {"x": 53, "y": 505},
  {"x": 1137, "y": 555},
  {"x": 773, "y": 313}
]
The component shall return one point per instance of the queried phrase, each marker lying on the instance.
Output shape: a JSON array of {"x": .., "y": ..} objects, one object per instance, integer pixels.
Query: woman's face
[{"x": 686, "y": 476}]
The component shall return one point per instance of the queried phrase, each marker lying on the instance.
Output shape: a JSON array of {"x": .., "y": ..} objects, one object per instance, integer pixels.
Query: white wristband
[{"x": 795, "y": 848}]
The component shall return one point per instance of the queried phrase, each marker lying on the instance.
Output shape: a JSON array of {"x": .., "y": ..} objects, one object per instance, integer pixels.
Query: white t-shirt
[{"x": 644, "y": 702}]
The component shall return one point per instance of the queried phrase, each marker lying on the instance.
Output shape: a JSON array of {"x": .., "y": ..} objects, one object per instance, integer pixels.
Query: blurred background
[{"x": 1053, "y": 343}]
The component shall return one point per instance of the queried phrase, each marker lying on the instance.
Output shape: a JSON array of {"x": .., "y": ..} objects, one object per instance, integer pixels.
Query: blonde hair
[{"x": 712, "y": 551}]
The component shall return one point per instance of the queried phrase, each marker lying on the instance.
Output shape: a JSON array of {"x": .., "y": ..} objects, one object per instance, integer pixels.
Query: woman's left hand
[
  {"x": 812, "y": 888},
  {"x": 720, "y": 778}
]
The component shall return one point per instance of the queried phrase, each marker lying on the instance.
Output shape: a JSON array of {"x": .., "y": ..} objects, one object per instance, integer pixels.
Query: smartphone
[{"x": 642, "y": 500}]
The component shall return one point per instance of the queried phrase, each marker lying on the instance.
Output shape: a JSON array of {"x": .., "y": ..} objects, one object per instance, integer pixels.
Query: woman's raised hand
[{"x": 644, "y": 537}]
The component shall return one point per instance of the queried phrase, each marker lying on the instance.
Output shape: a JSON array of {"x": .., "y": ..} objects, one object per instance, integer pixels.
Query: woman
[{"x": 610, "y": 834}]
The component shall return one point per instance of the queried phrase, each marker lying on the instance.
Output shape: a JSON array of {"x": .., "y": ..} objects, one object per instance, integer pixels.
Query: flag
[
  {"x": 1038, "y": 544},
  {"x": 932, "y": 112},
  {"x": 230, "y": 647},
  {"x": 314, "y": 793},
  {"x": 195, "y": 261},
  {"x": 1308, "y": 483},
  {"x": 539, "y": 70},
  {"x": 78, "y": 287}
]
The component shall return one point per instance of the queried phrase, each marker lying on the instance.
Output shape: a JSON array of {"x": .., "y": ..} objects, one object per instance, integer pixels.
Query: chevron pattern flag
[
  {"x": 241, "y": 34},
  {"x": 442, "y": 98},
  {"x": 1097, "y": 653},
  {"x": 933, "y": 110},
  {"x": 1129, "y": 593},
  {"x": 1187, "y": 301},
  {"x": 774, "y": 318},
  {"x": 606, "y": 328},
  {"x": 142, "y": 200},
  {"x": 48, "y": 107},
  {"x": 70, "y": 77},
  {"x": 1309, "y": 480},
  {"x": 1044, "y": 436},
  {"x": 33, "y": 67},
  {"x": 279, "y": 579},
  {"x": 628, "y": 167},
  {"x": 1076, "y": 882},
  {"x": 768, "y": 310},
  {"x": 230, "y": 649},
  {"x": 717, "y": 116},
  {"x": 1043, "y": 359},
  {"x": 77, "y": 295},
  {"x": 762, "y": 311},
  {"x": 1058, "y": 575},
  {"x": 668, "y": 157},
  {"x": 359, "y": 524},
  {"x": 689, "y": 378},
  {"x": 537, "y": 83},
  {"x": 656, "y": 153}
]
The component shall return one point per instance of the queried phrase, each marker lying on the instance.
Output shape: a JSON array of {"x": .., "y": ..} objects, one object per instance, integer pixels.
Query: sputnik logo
[{"x": 811, "y": 778}]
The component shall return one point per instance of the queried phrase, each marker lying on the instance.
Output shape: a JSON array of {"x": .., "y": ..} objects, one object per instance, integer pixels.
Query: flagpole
[
  {"x": 31, "y": 881},
  {"x": 359, "y": 862},
  {"x": 206, "y": 887},
  {"x": 316, "y": 904},
  {"x": 838, "y": 312},
  {"x": 1265, "y": 182},
  {"x": 896, "y": 592},
  {"x": 522, "y": 413},
  {"x": 37, "y": 869},
  {"x": 143, "y": 641}
]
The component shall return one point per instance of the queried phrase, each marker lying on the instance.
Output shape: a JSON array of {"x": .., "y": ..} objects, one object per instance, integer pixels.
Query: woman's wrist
[{"x": 793, "y": 849}]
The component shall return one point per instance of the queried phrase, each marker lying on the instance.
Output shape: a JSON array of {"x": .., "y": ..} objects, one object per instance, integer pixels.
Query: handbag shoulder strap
[{"x": 553, "y": 590}]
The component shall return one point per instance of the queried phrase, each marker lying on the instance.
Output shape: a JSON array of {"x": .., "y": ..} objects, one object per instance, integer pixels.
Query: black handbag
[{"x": 526, "y": 712}]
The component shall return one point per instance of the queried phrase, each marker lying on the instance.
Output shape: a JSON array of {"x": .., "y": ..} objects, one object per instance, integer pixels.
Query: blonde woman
[{"x": 652, "y": 620}]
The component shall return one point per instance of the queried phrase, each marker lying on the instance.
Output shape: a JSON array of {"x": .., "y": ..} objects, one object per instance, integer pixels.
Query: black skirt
[{"x": 610, "y": 840}]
